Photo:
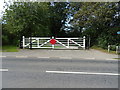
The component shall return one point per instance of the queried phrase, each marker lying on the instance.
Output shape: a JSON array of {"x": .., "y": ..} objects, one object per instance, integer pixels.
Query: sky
[
  {"x": 1, "y": 7},
  {"x": 3, "y": 4}
]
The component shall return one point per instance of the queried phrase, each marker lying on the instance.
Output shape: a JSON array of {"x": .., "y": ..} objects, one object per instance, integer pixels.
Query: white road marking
[
  {"x": 1, "y": 70},
  {"x": 89, "y": 58},
  {"x": 2, "y": 56},
  {"x": 21, "y": 56},
  {"x": 65, "y": 58},
  {"x": 89, "y": 73},
  {"x": 112, "y": 59},
  {"x": 54, "y": 57},
  {"x": 43, "y": 57}
]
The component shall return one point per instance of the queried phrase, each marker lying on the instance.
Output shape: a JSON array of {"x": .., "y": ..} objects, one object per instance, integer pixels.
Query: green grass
[
  {"x": 117, "y": 58},
  {"x": 10, "y": 48},
  {"x": 49, "y": 46},
  {"x": 103, "y": 50},
  {"x": 54, "y": 46},
  {"x": 59, "y": 46}
]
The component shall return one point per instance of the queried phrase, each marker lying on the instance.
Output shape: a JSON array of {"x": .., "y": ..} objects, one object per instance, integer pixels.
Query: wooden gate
[{"x": 59, "y": 43}]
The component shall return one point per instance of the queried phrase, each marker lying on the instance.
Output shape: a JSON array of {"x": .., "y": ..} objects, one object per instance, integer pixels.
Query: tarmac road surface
[{"x": 25, "y": 72}]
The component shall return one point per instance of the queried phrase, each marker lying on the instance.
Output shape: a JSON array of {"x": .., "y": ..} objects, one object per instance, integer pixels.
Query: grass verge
[
  {"x": 117, "y": 58},
  {"x": 10, "y": 48},
  {"x": 103, "y": 50}
]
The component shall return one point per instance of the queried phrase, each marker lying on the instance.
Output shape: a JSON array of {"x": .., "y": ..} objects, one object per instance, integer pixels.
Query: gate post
[
  {"x": 89, "y": 42},
  {"x": 23, "y": 43},
  {"x": 31, "y": 43},
  {"x": 84, "y": 42},
  {"x": 68, "y": 43},
  {"x": 53, "y": 46}
]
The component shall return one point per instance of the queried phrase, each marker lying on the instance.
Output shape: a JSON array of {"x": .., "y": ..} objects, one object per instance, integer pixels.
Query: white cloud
[
  {"x": 2, "y": 4},
  {"x": 1, "y": 7}
]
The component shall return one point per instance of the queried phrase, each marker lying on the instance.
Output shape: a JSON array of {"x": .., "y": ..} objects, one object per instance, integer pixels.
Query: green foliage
[
  {"x": 9, "y": 48},
  {"x": 99, "y": 21},
  {"x": 33, "y": 19},
  {"x": 103, "y": 42},
  {"x": 113, "y": 47},
  {"x": 26, "y": 18},
  {"x": 57, "y": 18},
  {"x": 5, "y": 40}
]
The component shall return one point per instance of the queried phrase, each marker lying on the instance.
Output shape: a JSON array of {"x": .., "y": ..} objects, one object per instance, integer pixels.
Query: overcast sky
[{"x": 1, "y": 6}]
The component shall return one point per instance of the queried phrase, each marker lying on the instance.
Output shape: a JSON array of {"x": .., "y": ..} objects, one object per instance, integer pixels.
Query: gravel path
[{"x": 62, "y": 53}]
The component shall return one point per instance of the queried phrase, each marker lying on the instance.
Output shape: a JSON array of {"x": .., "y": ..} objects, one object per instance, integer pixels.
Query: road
[{"x": 59, "y": 73}]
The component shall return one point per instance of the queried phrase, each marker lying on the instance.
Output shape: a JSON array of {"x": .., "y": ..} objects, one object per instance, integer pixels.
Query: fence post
[
  {"x": 108, "y": 48},
  {"x": 23, "y": 43},
  {"x": 84, "y": 42},
  {"x": 116, "y": 49}
]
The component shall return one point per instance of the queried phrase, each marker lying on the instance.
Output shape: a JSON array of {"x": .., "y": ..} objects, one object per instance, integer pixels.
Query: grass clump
[
  {"x": 10, "y": 48},
  {"x": 103, "y": 50}
]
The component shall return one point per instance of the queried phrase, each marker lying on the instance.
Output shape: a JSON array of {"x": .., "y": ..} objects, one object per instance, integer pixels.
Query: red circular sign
[{"x": 53, "y": 41}]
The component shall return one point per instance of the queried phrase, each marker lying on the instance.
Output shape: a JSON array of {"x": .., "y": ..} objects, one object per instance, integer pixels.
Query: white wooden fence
[{"x": 61, "y": 43}]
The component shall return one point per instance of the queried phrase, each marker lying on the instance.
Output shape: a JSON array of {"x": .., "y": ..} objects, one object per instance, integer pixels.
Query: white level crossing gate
[{"x": 54, "y": 43}]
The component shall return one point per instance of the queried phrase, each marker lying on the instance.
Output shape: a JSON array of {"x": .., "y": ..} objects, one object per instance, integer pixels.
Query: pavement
[{"x": 65, "y": 54}]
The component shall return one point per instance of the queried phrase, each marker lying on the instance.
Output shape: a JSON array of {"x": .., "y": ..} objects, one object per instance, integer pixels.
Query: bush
[
  {"x": 113, "y": 47},
  {"x": 5, "y": 40},
  {"x": 102, "y": 42}
]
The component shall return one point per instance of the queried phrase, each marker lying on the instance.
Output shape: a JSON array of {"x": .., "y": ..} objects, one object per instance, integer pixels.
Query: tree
[
  {"x": 57, "y": 17},
  {"x": 28, "y": 19},
  {"x": 97, "y": 19}
]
